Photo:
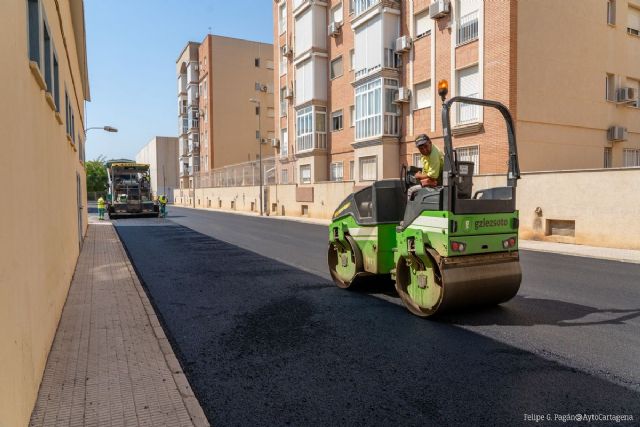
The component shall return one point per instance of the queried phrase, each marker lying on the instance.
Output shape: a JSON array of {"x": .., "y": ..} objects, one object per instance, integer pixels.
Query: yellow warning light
[{"x": 443, "y": 88}]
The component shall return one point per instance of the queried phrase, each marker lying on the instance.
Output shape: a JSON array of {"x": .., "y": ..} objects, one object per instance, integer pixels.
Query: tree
[{"x": 96, "y": 175}]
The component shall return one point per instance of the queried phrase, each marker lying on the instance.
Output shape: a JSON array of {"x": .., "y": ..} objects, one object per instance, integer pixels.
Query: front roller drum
[
  {"x": 427, "y": 287},
  {"x": 345, "y": 262}
]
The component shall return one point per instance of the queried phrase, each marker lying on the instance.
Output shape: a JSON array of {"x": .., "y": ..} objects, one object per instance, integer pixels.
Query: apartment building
[
  {"x": 357, "y": 82},
  {"x": 161, "y": 154},
  {"x": 226, "y": 104},
  {"x": 44, "y": 85}
]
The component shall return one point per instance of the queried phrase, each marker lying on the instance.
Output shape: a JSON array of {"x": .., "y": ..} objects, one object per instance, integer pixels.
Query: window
[
  {"x": 611, "y": 12},
  {"x": 336, "y": 120},
  {"x": 282, "y": 17},
  {"x": 368, "y": 168},
  {"x": 468, "y": 84},
  {"x": 422, "y": 95},
  {"x": 48, "y": 72},
  {"x": 336, "y": 13},
  {"x": 336, "y": 173},
  {"x": 34, "y": 30},
  {"x": 470, "y": 154},
  {"x": 352, "y": 166},
  {"x": 635, "y": 84},
  {"x": 283, "y": 65},
  {"x": 285, "y": 176},
  {"x": 633, "y": 21},
  {"x": 56, "y": 82},
  {"x": 422, "y": 24},
  {"x": 257, "y": 62},
  {"x": 417, "y": 160},
  {"x": 610, "y": 93},
  {"x": 369, "y": 109},
  {"x": 336, "y": 68},
  {"x": 284, "y": 143},
  {"x": 467, "y": 22},
  {"x": 608, "y": 157},
  {"x": 305, "y": 174},
  {"x": 352, "y": 115},
  {"x": 631, "y": 158},
  {"x": 352, "y": 59},
  {"x": 311, "y": 134},
  {"x": 70, "y": 119}
]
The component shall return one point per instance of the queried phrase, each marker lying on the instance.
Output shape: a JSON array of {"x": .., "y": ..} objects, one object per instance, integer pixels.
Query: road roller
[{"x": 449, "y": 247}]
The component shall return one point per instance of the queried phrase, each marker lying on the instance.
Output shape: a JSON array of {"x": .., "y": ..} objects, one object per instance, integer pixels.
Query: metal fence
[{"x": 239, "y": 175}]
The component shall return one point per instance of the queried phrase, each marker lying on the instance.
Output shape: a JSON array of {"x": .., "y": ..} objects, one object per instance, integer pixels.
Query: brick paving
[{"x": 111, "y": 363}]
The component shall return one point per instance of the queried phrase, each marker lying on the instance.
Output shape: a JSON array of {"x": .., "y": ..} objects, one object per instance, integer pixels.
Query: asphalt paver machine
[{"x": 448, "y": 247}]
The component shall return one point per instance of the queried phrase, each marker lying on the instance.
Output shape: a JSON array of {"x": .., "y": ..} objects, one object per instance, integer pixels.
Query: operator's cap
[{"x": 422, "y": 139}]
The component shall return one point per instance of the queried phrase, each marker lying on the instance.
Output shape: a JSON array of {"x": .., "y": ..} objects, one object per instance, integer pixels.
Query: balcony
[
  {"x": 361, "y": 6},
  {"x": 194, "y": 148},
  {"x": 311, "y": 141},
  {"x": 185, "y": 171},
  {"x": 389, "y": 61},
  {"x": 467, "y": 27}
]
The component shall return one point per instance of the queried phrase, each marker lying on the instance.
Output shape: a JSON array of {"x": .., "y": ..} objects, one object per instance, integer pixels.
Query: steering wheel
[{"x": 404, "y": 179}]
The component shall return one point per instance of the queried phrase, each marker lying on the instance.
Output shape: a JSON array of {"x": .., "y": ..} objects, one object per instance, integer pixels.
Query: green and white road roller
[{"x": 447, "y": 248}]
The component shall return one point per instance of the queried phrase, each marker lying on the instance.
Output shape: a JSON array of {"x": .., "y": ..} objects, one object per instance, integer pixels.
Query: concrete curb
[{"x": 182, "y": 383}]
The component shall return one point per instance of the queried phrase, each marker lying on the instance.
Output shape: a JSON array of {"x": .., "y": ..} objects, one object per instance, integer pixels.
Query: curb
[{"x": 198, "y": 418}]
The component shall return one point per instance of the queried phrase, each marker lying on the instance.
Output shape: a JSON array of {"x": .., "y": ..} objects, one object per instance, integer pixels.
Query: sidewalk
[{"x": 111, "y": 363}]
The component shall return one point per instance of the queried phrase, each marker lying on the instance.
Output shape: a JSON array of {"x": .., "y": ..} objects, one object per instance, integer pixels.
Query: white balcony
[
  {"x": 467, "y": 28},
  {"x": 361, "y": 6}
]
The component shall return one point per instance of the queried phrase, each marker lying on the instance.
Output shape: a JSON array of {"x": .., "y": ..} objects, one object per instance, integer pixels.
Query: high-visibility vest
[
  {"x": 100, "y": 203},
  {"x": 163, "y": 200}
]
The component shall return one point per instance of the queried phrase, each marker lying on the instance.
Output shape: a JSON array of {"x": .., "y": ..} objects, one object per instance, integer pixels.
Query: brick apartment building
[
  {"x": 356, "y": 82},
  {"x": 218, "y": 123}
]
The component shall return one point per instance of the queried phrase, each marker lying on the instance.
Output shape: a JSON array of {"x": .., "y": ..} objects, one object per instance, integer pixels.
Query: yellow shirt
[
  {"x": 100, "y": 203},
  {"x": 433, "y": 164}
]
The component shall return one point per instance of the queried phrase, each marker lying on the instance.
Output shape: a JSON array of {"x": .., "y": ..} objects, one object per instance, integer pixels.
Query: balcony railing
[
  {"x": 185, "y": 171},
  {"x": 468, "y": 113},
  {"x": 377, "y": 126},
  {"x": 467, "y": 28},
  {"x": 389, "y": 61},
  {"x": 194, "y": 147},
  {"x": 311, "y": 141},
  {"x": 361, "y": 6}
]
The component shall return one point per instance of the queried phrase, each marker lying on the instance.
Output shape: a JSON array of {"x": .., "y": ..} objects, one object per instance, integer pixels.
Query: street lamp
[
  {"x": 104, "y": 128},
  {"x": 257, "y": 102}
]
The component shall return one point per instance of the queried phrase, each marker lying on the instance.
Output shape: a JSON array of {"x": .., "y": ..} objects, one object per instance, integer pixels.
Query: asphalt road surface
[{"x": 265, "y": 338}]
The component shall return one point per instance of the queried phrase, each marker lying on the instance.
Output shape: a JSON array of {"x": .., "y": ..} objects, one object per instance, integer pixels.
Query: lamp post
[
  {"x": 104, "y": 128},
  {"x": 257, "y": 102}
]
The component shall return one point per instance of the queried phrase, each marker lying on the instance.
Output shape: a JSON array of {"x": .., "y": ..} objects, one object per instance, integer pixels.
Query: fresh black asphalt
[{"x": 268, "y": 343}]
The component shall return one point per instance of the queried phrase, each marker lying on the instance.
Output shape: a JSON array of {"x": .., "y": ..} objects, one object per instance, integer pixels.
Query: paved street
[{"x": 265, "y": 338}]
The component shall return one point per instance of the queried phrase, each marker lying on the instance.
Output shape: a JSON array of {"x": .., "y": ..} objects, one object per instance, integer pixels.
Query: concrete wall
[
  {"x": 602, "y": 203},
  {"x": 38, "y": 169},
  {"x": 161, "y": 153}
]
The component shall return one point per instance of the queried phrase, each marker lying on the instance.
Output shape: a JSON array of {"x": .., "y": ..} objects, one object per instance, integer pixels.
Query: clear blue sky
[{"x": 132, "y": 47}]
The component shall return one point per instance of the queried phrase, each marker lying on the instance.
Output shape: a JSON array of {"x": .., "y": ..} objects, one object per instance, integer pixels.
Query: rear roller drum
[{"x": 345, "y": 262}]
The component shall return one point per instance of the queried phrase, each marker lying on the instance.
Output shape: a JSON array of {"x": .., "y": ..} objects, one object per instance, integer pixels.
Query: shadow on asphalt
[
  {"x": 262, "y": 342},
  {"x": 527, "y": 311}
]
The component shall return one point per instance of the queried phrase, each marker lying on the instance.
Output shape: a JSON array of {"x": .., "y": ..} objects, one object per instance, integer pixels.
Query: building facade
[
  {"x": 44, "y": 86},
  {"x": 357, "y": 82},
  {"x": 226, "y": 105},
  {"x": 161, "y": 154}
]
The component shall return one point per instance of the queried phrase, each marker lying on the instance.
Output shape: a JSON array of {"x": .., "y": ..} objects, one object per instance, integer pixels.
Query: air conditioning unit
[
  {"x": 334, "y": 28},
  {"x": 617, "y": 133},
  {"x": 286, "y": 50},
  {"x": 404, "y": 94},
  {"x": 288, "y": 93},
  {"x": 260, "y": 87},
  {"x": 626, "y": 94},
  {"x": 439, "y": 8},
  {"x": 403, "y": 44},
  {"x": 275, "y": 143}
]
